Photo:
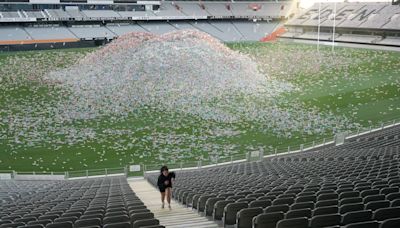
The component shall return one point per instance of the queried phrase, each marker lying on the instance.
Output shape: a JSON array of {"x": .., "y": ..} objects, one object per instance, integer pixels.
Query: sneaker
[
  {"x": 169, "y": 206},
  {"x": 162, "y": 206}
]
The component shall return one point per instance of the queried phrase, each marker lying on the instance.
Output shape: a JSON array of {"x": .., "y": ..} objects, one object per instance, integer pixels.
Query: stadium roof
[{"x": 309, "y": 3}]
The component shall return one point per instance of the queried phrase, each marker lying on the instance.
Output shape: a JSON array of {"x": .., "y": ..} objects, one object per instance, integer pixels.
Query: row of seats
[
  {"x": 336, "y": 186},
  {"x": 226, "y": 31},
  {"x": 190, "y": 10},
  {"x": 103, "y": 202}
]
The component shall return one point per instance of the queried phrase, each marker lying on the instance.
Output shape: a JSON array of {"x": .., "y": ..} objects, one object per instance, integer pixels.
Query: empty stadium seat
[
  {"x": 356, "y": 216},
  {"x": 386, "y": 213},
  {"x": 371, "y": 224},
  {"x": 230, "y": 212},
  {"x": 267, "y": 220},
  {"x": 305, "y": 212},
  {"x": 391, "y": 223},
  {"x": 245, "y": 216},
  {"x": 293, "y": 223}
]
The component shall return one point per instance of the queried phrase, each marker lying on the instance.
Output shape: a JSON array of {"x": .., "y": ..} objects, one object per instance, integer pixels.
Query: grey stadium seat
[
  {"x": 395, "y": 203},
  {"x": 293, "y": 223},
  {"x": 118, "y": 225},
  {"x": 306, "y": 212},
  {"x": 267, "y": 220},
  {"x": 391, "y": 223},
  {"x": 12, "y": 225},
  {"x": 201, "y": 204},
  {"x": 277, "y": 208},
  {"x": 372, "y": 198},
  {"x": 296, "y": 206},
  {"x": 325, "y": 220},
  {"x": 219, "y": 207},
  {"x": 351, "y": 207},
  {"x": 87, "y": 222},
  {"x": 377, "y": 205},
  {"x": 145, "y": 222},
  {"x": 371, "y": 224},
  {"x": 260, "y": 203},
  {"x": 245, "y": 216},
  {"x": 230, "y": 212},
  {"x": 60, "y": 225},
  {"x": 393, "y": 196},
  {"x": 41, "y": 222},
  {"x": 210, "y": 205},
  {"x": 325, "y": 210},
  {"x": 114, "y": 219},
  {"x": 386, "y": 213},
  {"x": 139, "y": 216},
  {"x": 356, "y": 216},
  {"x": 350, "y": 201},
  {"x": 66, "y": 219},
  {"x": 32, "y": 226},
  {"x": 327, "y": 203}
]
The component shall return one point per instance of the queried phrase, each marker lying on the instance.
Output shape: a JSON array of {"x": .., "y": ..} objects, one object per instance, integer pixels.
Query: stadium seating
[
  {"x": 102, "y": 202},
  {"x": 355, "y": 184},
  {"x": 226, "y": 31},
  {"x": 185, "y": 10},
  {"x": 227, "y": 21},
  {"x": 367, "y": 23}
]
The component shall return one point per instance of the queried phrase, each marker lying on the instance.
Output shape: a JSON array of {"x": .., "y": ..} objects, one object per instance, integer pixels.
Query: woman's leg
[
  {"x": 168, "y": 192},
  {"x": 162, "y": 198}
]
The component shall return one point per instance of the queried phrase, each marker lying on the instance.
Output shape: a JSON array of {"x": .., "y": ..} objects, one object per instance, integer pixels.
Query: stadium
[{"x": 267, "y": 113}]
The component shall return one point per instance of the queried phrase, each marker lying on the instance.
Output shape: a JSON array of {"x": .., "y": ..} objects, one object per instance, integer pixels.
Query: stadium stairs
[{"x": 179, "y": 216}]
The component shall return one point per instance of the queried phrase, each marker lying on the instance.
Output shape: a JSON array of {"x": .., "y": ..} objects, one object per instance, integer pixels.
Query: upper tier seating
[
  {"x": 167, "y": 10},
  {"x": 350, "y": 15}
]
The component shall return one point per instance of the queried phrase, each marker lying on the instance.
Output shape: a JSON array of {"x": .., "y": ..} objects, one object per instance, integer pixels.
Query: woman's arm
[{"x": 159, "y": 182}]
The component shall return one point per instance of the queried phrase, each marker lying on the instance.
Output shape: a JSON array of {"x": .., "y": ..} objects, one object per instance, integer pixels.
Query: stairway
[{"x": 178, "y": 217}]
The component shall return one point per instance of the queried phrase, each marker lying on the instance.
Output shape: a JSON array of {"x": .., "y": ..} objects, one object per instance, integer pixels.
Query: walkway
[{"x": 178, "y": 217}]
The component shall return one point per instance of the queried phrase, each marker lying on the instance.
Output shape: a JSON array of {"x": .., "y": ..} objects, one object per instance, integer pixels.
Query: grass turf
[{"x": 365, "y": 89}]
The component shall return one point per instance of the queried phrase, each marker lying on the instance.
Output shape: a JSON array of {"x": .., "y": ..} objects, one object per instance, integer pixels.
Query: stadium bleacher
[
  {"x": 365, "y": 23},
  {"x": 223, "y": 30},
  {"x": 352, "y": 185},
  {"x": 227, "y": 21},
  {"x": 102, "y": 202},
  {"x": 53, "y": 32}
]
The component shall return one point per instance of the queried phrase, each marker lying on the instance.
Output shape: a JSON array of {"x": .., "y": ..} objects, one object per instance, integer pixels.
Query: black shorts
[{"x": 163, "y": 189}]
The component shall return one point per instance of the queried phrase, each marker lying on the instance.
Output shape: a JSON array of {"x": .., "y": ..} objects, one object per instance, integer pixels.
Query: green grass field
[{"x": 359, "y": 85}]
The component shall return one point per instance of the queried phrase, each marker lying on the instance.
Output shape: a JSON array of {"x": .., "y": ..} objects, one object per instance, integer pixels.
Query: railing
[
  {"x": 213, "y": 161},
  {"x": 96, "y": 173}
]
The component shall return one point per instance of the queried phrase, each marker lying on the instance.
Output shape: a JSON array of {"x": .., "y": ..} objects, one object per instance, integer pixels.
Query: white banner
[
  {"x": 134, "y": 168},
  {"x": 38, "y": 177},
  {"x": 17, "y": 19},
  {"x": 5, "y": 176},
  {"x": 168, "y": 17},
  {"x": 100, "y": 2},
  {"x": 255, "y": 154},
  {"x": 44, "y": 2}
]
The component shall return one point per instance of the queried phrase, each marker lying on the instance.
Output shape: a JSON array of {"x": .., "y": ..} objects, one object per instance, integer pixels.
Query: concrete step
[
  {"x": 179, "y": 216},
  {"x": 194, "y": 224}
]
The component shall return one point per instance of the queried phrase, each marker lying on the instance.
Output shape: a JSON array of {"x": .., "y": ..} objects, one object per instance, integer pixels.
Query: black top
[{"x": 161, "y": 180}]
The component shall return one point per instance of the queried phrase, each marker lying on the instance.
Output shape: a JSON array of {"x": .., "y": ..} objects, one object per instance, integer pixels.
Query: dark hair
[{"x": 164, "y": 168}]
